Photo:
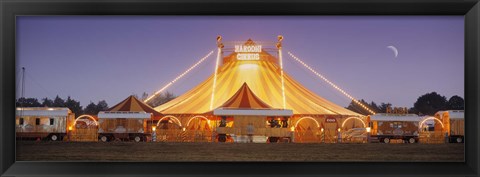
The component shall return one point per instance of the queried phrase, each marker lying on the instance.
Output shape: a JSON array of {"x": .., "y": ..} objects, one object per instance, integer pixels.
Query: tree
[
  {"x": 143, "y": 97},
  {"x": 161, "y": 99},
  {"x": 429, "y": 104},
  {"x": 93, "y": 108},
  {"x": 47, "y": 102},
  {"x": 28, "y": 102},
  {"x": 58, "y": 102},
  {"x": 101, "y": 106},
  {"x": 456, "y": 103},
  {"x": 90, "y": 109},
  {"x": 383, "y": 107},
  {"x": 74, "y": 106}
]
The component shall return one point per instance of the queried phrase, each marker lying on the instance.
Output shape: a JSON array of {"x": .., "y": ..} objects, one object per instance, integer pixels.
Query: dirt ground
[{"x": 157, "y": 152}]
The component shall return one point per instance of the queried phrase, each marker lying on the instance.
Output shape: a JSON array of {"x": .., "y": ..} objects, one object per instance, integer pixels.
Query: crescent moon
[{"x": 394, "y": 49}]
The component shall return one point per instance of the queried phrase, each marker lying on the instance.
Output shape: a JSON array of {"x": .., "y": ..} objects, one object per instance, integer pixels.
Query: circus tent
[
  {"x": 263, "y": 78},
  {"x": 245, "y": 102},
  {"x": 133, "y": 104}
]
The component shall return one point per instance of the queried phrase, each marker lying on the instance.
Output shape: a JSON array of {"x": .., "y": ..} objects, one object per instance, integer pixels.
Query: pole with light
[
  {"x": 339, "y": 135},
  {"x": 154, "y": 133},
  {"x": 280, "y": 57},
  {"x": 323, "y": 135},
  {"x": 368, "y": 134}
]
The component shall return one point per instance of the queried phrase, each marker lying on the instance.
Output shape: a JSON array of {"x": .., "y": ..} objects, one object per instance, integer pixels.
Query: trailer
[
  {"x": 44, "y": 123},
  {"x": 123, "y": 126},
  {"x": 386, "y": 127},
  {"x": 454, "y": 122}
]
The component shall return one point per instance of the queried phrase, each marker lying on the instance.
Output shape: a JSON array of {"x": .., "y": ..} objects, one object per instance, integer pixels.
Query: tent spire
[
  {"x": 279, "y": 47},
  {"x": 219, "y": 55}
]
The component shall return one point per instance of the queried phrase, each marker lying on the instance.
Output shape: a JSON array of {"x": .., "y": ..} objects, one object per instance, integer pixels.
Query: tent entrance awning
[{"x": 252, "y": 112}]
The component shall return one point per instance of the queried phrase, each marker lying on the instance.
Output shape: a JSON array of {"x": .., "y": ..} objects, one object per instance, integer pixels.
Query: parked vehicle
[
  {"x": 42, "y": 123},
  {"x": 386, "y": 127},
  {"x": 122, "y": 125}
]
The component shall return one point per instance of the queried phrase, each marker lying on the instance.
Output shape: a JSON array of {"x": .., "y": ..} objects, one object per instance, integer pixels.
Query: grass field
[{"x": 130, "y": 151}]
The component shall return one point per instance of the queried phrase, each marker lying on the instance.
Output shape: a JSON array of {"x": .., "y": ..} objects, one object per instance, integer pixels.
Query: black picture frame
[{"x": 12, "y": 8}]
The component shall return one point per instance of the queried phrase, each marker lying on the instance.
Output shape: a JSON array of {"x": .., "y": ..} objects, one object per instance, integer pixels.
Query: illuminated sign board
[
  {"x": 248, "y": 52},
  {"x": 330, "y": 120}
]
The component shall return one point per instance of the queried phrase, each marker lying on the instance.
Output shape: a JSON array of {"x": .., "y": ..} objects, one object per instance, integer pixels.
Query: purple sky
[{"x": 93, "y": 58}]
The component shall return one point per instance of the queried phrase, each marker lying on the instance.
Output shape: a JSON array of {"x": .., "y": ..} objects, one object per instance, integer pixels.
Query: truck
[
  {"x": 454, "y": 122},
  {"x": 386, "y": 127},
  {"x": 123, "y": 125},
  {"x": 42, "y": 123}
]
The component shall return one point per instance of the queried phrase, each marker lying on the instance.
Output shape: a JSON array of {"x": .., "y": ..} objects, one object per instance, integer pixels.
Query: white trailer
[{"x": 42, "y": 122}]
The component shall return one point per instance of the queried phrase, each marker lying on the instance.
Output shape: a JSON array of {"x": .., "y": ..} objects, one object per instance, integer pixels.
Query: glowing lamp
[
  {"x": 70, "y": 128},
  {"x": 154, "y": 128},
  {"x": 321, "y": 129},
  {"x": 339, "y": 129},
  {"x": 292, "y": 129},
  {"x": 368, "y": 129},
  {"x": 183, "y": 128}
]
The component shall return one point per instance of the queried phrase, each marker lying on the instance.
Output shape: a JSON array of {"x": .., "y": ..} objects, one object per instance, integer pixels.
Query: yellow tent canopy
[{"x": 263, "y": 78}]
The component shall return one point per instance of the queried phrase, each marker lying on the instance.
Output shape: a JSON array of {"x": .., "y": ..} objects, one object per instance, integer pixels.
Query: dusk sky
[{"x": 93, "y": 58}]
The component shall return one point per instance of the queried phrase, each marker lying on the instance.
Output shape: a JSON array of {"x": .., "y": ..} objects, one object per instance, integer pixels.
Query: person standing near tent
[{"x": 250, "y": 131}]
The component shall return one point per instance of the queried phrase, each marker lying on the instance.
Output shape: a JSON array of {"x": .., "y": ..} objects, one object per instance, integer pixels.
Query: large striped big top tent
[{"x": 263, "y": 77}]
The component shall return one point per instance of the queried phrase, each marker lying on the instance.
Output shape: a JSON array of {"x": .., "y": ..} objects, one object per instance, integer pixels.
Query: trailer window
[
  {"x": 20, "y": 122},
  {"x": 396, "y": 125},
  {"x": 51, "y": 121},
  {"x": 37, "y": 121}
]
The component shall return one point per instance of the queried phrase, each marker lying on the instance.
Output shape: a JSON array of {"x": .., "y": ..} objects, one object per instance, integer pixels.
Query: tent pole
[
  {"x": 219, "y": 54},
  {"x": 279, "y": 47}
]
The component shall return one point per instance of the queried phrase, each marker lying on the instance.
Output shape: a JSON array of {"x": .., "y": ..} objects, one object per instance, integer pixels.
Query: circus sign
[
  {"x": 248, "y": 52},
  {"x": 330, "y": 120}
]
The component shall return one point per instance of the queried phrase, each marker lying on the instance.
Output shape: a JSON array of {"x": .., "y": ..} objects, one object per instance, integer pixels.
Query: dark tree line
[
  {"x": 72, "y": 104},
  {"x": 427, "y": 104},
  {"x": 91, "y": 108}
]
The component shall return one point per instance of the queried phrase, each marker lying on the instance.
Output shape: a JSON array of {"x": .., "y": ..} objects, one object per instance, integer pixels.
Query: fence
[
  {"x": 83, "y": 134},
  {"x": 178, "y": 135},
  {"x": 434, "y": 137}
]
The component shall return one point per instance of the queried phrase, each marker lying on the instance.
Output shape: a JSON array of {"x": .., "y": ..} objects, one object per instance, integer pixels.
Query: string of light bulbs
[
  {"x": 178, "y": 77},
  {"x": 330, "y": 83}
]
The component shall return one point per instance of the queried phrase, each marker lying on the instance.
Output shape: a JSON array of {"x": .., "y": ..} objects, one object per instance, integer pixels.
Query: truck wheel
[
  {"x": 137, "y": 139},
  {"x": 54, "y": 137},
  {"x": 459, "y": 140},
  {"x": 386, "y": 140},
  {"x": 222, "y": 138},
  {"x": 104, "y": 138},
  {"x": 411, "y": 140}
]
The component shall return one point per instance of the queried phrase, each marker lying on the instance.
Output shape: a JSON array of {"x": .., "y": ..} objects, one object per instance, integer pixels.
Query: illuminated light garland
[
  {"x": 298, "y": 121},
  {"x": 203, "y": 117},
  {"x": 330, "y": 83},
  {"x": 215, "y": 78},
  {"x": 345, "y": 121},
  {"x": 430, "y": 118},
  {"x": 178, "y": 77}
]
